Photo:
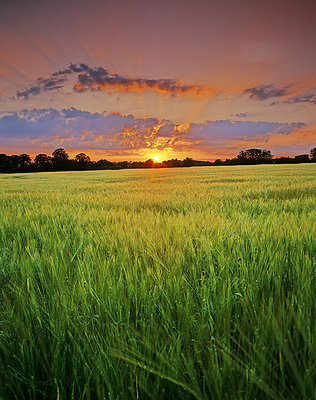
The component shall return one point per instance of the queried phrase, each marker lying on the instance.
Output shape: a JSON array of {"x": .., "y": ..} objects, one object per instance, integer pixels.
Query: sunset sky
[{"x": 127, "y": 80}]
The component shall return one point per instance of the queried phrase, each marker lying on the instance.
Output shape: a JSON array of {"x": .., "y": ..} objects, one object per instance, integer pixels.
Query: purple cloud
[
  {"x": 240, "y": 115},
  {"x": 265, "y": 92},
  {"x": 34, "y": 90},
  {"x": 99, "y": 78},
  {"x": 310, "y": 98},
  {"x": 113, "y": 131}
]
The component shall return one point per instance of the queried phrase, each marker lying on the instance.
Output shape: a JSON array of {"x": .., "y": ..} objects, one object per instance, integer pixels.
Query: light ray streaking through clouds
[
  {"x": 76, "y": 129},
  {"x": 183, "y": 61}
]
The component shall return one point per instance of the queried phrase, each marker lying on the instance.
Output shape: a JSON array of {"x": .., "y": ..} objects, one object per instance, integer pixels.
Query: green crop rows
[{"x": 184, "y": 283}]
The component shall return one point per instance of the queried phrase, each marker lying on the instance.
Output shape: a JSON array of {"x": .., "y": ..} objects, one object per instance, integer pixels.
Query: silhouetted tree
[
  {"x": 14, "y": 162},
  {"x": 253, "y": 156},
  {"x": 283, "y": 160},
  {"x": 188, "y": 162},
  {"x": 123, "y": 164},
  {"x": 173, "y": 163},
  {"x": 43, "y": 162},
  {"x": 149, "y": 163},
  {"x": 5, "y": 165},
  {"x": 24, "y": 162},
  {"x": 302, "y": 158},
  {"x": 137, "y": 164},
  {"x": 82, "y": 160},
  {"x": 104, "y": 164},
  {"x": 60, "y": 159}
]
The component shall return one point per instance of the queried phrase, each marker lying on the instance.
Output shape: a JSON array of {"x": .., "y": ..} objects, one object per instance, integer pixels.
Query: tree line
[{"x": 60, "y": 161}]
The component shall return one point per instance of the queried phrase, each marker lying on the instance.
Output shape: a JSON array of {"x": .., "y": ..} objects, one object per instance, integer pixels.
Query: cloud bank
[{"x": 39, "y": 129}]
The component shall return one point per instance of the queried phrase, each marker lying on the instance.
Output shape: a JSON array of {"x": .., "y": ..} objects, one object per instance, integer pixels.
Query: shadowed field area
[{"x": 184, "y": 283}]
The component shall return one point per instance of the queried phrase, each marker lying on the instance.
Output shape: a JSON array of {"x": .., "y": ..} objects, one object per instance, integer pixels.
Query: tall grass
[{"x": 158, "y": 284}]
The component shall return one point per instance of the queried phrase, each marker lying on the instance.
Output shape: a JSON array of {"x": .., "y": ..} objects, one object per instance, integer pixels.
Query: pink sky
[{"x": 184, "y": 78}]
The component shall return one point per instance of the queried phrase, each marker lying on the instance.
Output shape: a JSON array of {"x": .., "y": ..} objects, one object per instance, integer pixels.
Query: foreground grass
[{"x": 158, "y": 284}]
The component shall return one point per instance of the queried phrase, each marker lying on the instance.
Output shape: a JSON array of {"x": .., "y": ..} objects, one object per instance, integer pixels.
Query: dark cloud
[
  {"x": 101, "y": 79},
  {"x": 52, "y": 83},
  {"x": 240, "y": 115},
  {"x": 311, "y": 99},
  {"x": 73, "y": 68},
  {"x": 42, "y": 84},
  {"x": 265, "y": 92},
  {"x": 34, "y": 90}
]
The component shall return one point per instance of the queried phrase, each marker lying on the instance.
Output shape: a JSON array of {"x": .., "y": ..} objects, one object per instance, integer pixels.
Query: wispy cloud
[
  {"x": 240, "y": 115},
  {"x": 33, "y": 90},
  {"x": 307, "y": 98},
  {"x": 42, "y": 84},
  {"x": 73, "y": 68},
  {"x": 99, "y": 78},
  {"x": 265, "y": 92},
  {"x": 84, "y": 78},
  {"x": 298, "y": 140}
]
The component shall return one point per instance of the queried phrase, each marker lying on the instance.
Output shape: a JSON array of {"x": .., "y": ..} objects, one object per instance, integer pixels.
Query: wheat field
[{"x": 183, "y": 283}]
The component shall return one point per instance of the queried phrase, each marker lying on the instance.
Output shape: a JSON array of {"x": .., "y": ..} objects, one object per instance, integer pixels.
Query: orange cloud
[
  {"x": 306, "y": 137},
  {"x": 114, "y": 133},
  {"x": 101, "y": 79}
]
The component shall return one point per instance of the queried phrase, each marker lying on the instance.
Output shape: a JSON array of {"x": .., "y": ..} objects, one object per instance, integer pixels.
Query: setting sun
[{"x": 157, "y": 172}]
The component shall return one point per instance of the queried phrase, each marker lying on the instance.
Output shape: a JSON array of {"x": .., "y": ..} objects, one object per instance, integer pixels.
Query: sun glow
[{"x": 156, "y": 158}]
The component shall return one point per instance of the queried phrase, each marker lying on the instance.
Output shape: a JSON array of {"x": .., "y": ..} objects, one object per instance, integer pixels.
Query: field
[{"x": 192, "y": 283}]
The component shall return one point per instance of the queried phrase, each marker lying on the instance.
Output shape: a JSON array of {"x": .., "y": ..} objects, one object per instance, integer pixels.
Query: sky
[{"x": 129, "y": 80}]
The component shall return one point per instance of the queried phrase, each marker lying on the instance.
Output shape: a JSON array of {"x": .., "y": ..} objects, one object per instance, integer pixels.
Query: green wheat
[{"x": 184, "y": 283}]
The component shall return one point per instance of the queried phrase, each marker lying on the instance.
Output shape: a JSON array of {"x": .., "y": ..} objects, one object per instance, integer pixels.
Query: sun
[{"x": 156, "y": 158}]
